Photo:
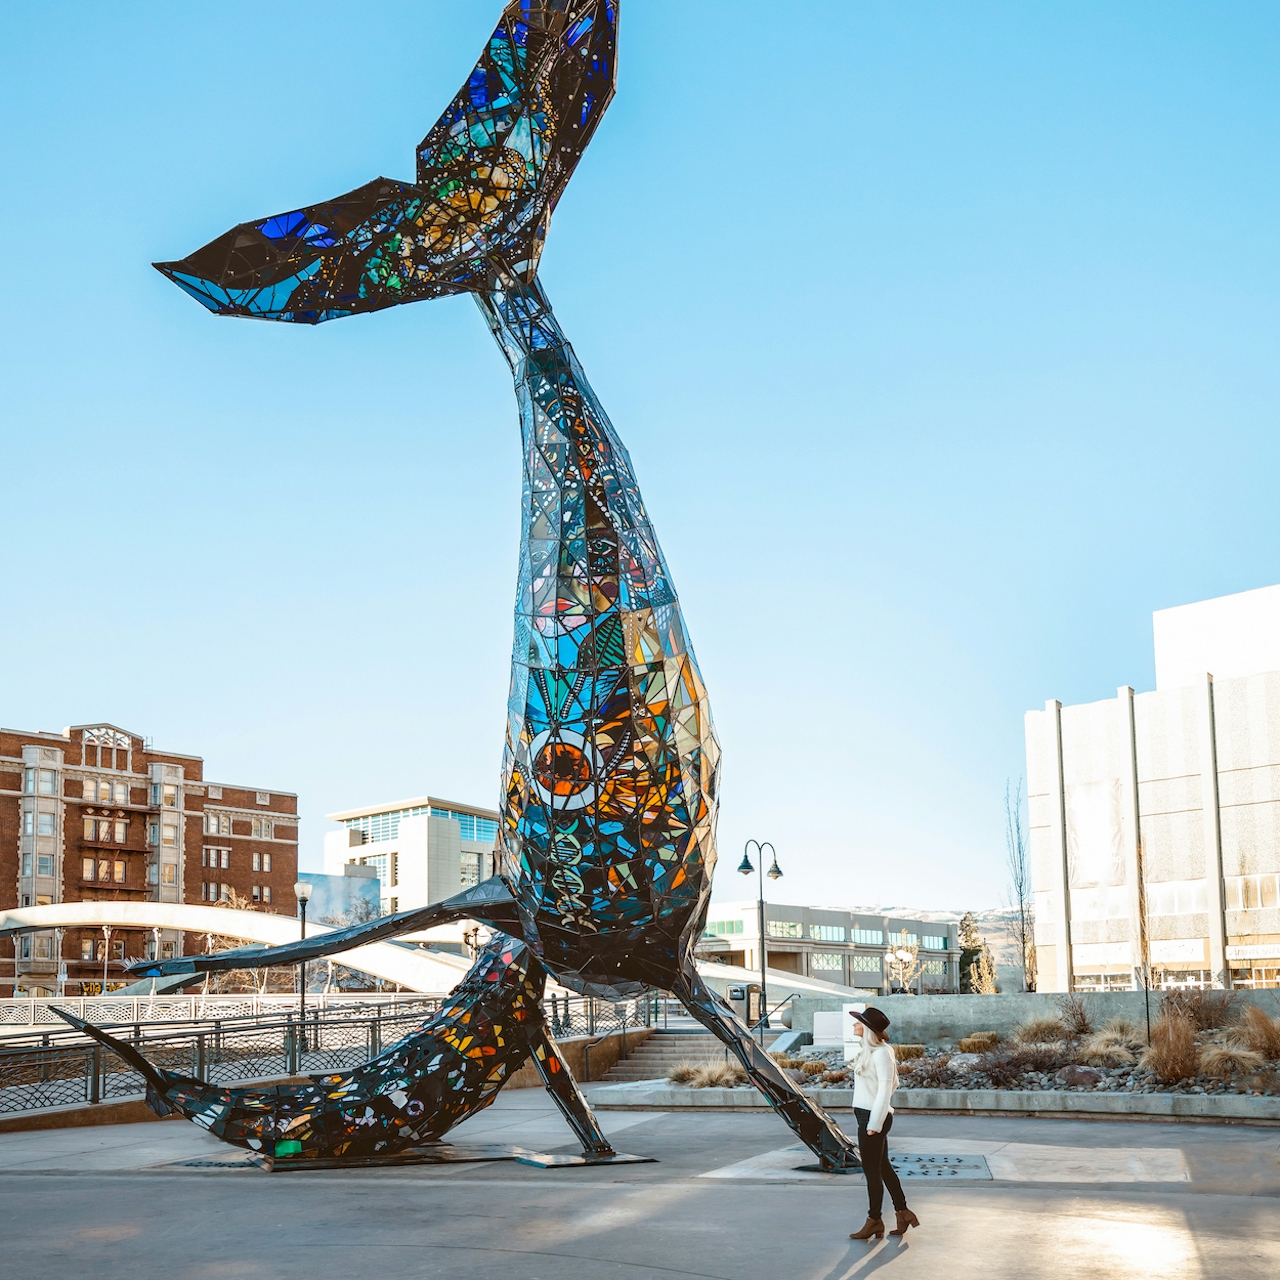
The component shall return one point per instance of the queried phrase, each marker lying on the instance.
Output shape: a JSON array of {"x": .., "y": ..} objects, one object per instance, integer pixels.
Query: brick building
[{"x": 94, "y": 812}]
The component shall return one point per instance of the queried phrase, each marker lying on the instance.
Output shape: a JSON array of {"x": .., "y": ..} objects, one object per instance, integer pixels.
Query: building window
[
  {"x": 932, "y": 942},
  {"x": 262, "y": 828},
  {"x": 826, "y": 933},
  {"x": 29, "y": 781},
  {"x": 257, "y": 862},
  {"x": 266, "y": 893},
  {"x": 168, "y": 873},
  {"x": 24, "y": 948},
  {"x": 933, "y": 968},
  {"x": 86, "y": 869},
  {"x": 26, "y": 864},
  {"x": 208, "y": 892},
  {"x": 87, "y": 949},
  {"x": 122, "y": 831},
  {"x": 153, "y": 834},
  {"x": 43, "y": 949},
  {"x": 784, "y": 929},
  {"x": 225, "y": 895},
  {"x": 217, "y": 858},
  {"x": 120, "y": 793},
  {"x": 867, "y": 937},
  {"x": 860, "y": 963},
  {"x": 104, "y": 868},
  {"x": 29, "y": 823},
  {"x": 1252, "y": 893},
  {"x": 257, "y": 894},
  {"x": 153, "y": 873},
  {"x": 724, "y": 928},
  {"x": 48, "y": 782},
  {"x": 217, "y": 824},
  {"x": 395, "y": 905},
  {"x": 171, "y": 797},
  {"x": 166, "y": 950},
  {"x": 827, "y": 961},
  {"x": 1177, "y": 898},
  {"x": 119, "y": 871},
  {"x": 264, "y": 797},
  {"x": 170, "y": 835},
  {"x": 117, "y": 950},
  {"x": 44, "y": 864},
  {"x": 45, "y": 824}
]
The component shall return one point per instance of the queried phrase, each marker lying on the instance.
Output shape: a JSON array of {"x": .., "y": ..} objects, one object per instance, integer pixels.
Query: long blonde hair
[{"x": 871, "y": 1041}]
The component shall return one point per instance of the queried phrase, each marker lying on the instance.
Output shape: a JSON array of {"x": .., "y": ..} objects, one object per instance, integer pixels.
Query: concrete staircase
[{"x": 653, "y": 1057}]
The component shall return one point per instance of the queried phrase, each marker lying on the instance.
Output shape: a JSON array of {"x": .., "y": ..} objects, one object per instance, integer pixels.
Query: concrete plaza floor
[{"x": 1064, "y": 1199}]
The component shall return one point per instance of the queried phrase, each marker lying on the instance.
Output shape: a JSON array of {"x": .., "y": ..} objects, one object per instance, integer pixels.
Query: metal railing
[
  {"x": 111, "y": 1010},
  {"x": 62, "y": 1068}
]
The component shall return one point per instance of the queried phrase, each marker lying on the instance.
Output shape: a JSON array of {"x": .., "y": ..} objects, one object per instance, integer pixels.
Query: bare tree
[
  {"x": 1018, "y": 862},
  {"x": 241, "y": 981},
  {"x": 903, "y": 960}
]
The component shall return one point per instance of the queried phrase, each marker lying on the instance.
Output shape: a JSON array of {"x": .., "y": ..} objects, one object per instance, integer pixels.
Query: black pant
[{"x": 874, "y": 1149}]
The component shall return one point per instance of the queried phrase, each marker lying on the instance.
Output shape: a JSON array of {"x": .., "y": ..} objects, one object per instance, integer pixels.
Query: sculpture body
[{"x": 611, "y": 762}]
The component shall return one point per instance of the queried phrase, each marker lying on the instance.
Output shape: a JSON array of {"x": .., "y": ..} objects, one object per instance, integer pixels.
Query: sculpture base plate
[
  {"x": 817, "y": 1168},
  {"x": 455, "y": 1153}
]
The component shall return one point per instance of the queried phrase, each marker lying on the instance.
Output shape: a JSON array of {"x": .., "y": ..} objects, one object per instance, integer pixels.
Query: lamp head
[
  {"x": 775, "y": 871},
  {"x": 744, "y": 867},
  {"x": 302, "y": 890}
]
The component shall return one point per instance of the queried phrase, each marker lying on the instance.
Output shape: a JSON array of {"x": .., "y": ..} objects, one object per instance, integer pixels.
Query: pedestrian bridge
[{"x": 435, "y": 972}]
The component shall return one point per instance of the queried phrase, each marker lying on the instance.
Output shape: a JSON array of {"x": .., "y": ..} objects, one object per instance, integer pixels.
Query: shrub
[
  {"x": 1206, "y": 1010},
  {"x": 1074, "y": 1015},
  {"x": 929, "y": 1073},
  {"x": 1171, "y": 1055},
  {"x": 683, "y": 1072},
  {"x": 1259, "y": 1033},
  {"x": 1227, "y": 1060},
  {"x": 979, "y": 1042},
  {"x": 1006, "y": 1067},
  {"x": 1039, "y": 1031},
  {"x": 834, "y": 1077},
  {"x": 813, "y": 1067},
  {"x": 1102, "y": 1049},
  {"x": 906, "y": 1052}
]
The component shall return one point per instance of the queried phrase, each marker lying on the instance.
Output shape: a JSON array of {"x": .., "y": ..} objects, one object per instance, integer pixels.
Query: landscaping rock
[{"x": 1079, "y": 1077}]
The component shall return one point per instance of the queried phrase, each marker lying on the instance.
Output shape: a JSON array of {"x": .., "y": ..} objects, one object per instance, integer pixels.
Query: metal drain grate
[{"x": 973, "y": 1168}]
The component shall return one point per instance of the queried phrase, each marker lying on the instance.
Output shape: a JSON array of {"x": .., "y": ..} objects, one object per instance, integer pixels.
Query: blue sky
[{"x": 943, "y": 338}]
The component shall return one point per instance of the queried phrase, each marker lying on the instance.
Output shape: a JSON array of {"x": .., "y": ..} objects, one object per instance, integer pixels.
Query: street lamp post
[
  {"x": 775, "y": 873},
  {"x": 106, "y": 954},
  {"x": 303, "y": 892}
]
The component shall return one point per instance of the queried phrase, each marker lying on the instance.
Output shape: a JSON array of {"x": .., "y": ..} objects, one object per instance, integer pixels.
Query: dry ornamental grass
[
  {"x": 1171, "y": 1056},
  {"x": 979, "y": 1042},
  {"x": 907, "y": 1052},
  {"x": 1074, "y": 1015},
  {"x": 1227, "y": 1060},
  {"x": 1259, "y": 1033},
  {"x": 707, "y": 1075},
  {"x": 1040, "y": 1031}
]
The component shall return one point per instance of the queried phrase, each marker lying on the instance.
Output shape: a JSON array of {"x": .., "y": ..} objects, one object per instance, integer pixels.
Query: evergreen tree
[{"x": 971, "y": 947}]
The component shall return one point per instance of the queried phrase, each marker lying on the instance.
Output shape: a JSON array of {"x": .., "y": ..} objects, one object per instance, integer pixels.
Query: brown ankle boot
[
  {"x": 873, "y": 1229},
  {"x": 905, "y": 1219}
]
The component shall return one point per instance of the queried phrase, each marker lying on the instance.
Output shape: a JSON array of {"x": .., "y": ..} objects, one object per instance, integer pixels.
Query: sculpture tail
[{"x": 158, "y": 1080}]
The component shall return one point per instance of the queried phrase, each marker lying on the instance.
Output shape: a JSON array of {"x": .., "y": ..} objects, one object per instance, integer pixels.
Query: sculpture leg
[
  {"x": 807, "y": 1120},
  {"x": 564, "y": 1090}
]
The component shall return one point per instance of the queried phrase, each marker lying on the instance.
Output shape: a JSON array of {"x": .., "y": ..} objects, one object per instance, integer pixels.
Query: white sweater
[{"x": 875, "y": 1078}]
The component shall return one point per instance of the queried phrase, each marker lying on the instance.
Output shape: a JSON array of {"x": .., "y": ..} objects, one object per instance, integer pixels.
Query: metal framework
[{"x": 611, "y": 763}]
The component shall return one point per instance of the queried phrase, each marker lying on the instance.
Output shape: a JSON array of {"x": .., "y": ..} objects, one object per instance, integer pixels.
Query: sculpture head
[{"x": 489, "y": 175}]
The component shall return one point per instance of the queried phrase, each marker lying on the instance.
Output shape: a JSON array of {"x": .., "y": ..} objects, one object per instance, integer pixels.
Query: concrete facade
[
  {"x": 846, "y": 948},
  {"x": 95, "y": 813},
  {"x": 1155, "y": 817}
]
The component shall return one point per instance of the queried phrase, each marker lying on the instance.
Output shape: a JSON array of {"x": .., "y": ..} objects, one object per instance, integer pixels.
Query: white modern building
[
  {"x": 829, "y": 944},
  {"x": 1155, "y": 817},
  {"x": 423, "y": 850}
]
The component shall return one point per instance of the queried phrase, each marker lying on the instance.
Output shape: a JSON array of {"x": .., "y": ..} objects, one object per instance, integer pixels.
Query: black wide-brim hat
[{"x": 872, "y": 1018}]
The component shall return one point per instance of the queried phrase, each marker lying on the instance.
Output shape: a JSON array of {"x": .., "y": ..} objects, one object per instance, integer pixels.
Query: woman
[{"x": 875, "y": 1077}]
